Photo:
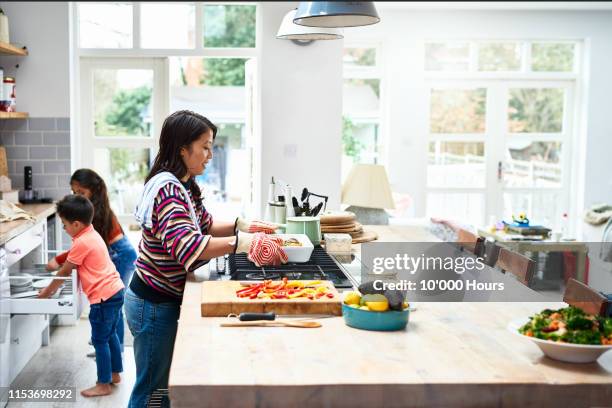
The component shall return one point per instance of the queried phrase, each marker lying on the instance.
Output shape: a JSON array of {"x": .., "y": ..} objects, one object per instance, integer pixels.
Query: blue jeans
[
  {"x": 123, "y": 255},
  {"x": 153, "y": 326},
  {"x": 104, "y": 318}
]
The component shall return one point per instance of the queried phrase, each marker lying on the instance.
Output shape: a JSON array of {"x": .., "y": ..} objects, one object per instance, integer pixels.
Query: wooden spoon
[{"x": 274, "y": 323}]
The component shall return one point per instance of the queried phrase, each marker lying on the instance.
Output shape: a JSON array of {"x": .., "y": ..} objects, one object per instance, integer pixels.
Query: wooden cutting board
[
  {"x": 365, "y": 236},
  {"x": 219, "y": 299},
  {"x": 337, "y": 217},
  {"x": 3, "y": 162}
]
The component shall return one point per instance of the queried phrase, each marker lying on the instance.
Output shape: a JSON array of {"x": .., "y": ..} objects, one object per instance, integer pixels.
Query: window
[
  {"x": 361, "y": 107},
  {"x": 499, "y": 137},
  {"x": 201, "y": 60}
]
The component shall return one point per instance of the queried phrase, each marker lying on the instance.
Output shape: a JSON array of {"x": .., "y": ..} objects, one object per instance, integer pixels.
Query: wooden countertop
[
  {"x": 9, "y": 230},
  {"x": 451, "y": 354}
]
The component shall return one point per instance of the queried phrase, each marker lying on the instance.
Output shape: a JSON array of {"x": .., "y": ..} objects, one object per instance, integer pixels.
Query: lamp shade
[
  {"x": 367, "y": 186},
  {"x": 336, "y": 13},
  {"x": 290, "y": 31}
]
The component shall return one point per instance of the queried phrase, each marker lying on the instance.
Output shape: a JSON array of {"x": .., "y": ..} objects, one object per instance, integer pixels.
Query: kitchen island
[{"x": 458, "y": 354}]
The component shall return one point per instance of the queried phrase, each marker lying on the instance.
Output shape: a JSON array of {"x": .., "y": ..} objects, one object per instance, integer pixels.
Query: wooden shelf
[
  {"x": 10, "y": 49},
  {"x": 13, "y": 115}
]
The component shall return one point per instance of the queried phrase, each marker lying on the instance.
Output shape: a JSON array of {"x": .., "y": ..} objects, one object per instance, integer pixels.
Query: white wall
[
  {"x": 43, "y": 76},
  {"x": 402, "y": 33},
  {"x": 301, "y": 109}
]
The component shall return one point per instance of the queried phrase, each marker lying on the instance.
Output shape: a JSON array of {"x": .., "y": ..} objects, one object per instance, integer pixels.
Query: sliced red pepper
[
  {"x": 330, "y": 295},
  {"x": 254, "y": 296}
]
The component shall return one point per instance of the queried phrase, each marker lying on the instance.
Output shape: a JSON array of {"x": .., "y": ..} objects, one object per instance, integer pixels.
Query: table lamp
[{"x": 367, "y": 192}]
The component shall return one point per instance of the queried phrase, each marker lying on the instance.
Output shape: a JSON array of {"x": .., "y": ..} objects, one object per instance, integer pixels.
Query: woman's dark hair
[
  {"x": 179, "y": 130},
  {"x": 75, "y": 207},
  {"x": 103, "y": 215}
]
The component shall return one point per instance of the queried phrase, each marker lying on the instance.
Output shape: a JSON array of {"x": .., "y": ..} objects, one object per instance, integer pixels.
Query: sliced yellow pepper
[
  {"x": 296, "y": 295},
  {"x": 309, "y": 291},
  {"x": 314, "y": 283},
  {"x": 295, "y": 285},
  {"x": 322, "y": 289}
]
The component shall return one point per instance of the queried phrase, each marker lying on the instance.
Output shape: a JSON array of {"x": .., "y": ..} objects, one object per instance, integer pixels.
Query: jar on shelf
[{"x": 7, "y": 104}]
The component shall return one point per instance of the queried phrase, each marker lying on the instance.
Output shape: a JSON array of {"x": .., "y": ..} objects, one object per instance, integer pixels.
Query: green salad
[{"x": 569, "y": 325}]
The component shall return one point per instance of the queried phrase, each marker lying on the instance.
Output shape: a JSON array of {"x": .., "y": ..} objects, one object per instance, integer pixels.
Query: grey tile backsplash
[{"x": 44, "y": 144}]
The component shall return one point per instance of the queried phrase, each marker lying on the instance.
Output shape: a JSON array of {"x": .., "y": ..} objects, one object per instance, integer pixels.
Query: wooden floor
[{"x": 64, "y": 364}]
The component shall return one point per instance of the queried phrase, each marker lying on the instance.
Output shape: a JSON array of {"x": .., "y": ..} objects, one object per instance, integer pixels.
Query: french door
[{"x": 500, "y": 147}]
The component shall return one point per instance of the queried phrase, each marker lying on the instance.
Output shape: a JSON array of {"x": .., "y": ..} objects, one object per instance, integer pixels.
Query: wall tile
[
  {"x": 55, "y": 193},
  {"x": 41, "y": 123},
  {"x": 56, "y": 138},
  {"x": 56, "y": 167},
  {"x": 28, "y": 138},
  {"x": 37, "y": 166},
  {"x": 43, "y": 152},
  {"x": 63, "y": 123},
  {"x": 16, "y": 124},
  {"x": 6, "y": 138},
  {"x": 41, "y": 181},
  {"x": 17, "y": 152},
  {"x": 63, "y": 152}
]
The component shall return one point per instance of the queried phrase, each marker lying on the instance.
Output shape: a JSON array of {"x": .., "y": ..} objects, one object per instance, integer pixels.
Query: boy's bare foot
[
  {"x": 116, "y": 378},
  {"x": 97, "y": 391}
]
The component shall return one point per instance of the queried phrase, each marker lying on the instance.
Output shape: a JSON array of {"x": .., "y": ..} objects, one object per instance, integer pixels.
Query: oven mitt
[
  {"x": 253, "y": 226},
  {"x": 261, "y": 249}
]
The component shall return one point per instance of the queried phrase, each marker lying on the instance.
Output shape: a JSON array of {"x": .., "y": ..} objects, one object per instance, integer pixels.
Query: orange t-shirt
[{"x": 97, "y": 273}]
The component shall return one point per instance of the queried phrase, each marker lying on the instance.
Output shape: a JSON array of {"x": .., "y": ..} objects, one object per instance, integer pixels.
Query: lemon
[
  {"x": 364, "y": 308},
  {"x": 354, "y": 306},
  {"x": 373, "y": 298},
  {"x": 405, "y": 305},
  {"x": 352, "y": 298},
  {"x": 378, "y": 306}
]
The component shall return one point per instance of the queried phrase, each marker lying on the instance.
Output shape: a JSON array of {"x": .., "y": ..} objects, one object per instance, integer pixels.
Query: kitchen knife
[{"x": 248, "y": 317}]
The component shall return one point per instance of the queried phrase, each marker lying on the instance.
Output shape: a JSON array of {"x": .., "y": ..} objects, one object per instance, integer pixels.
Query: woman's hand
[
  {"x": 261, "y": 249},
  {"x": 253, "y": 226},
  {"x": 46, "y": 292}
]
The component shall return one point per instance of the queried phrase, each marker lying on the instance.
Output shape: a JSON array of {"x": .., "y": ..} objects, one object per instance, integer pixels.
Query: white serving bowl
[
  {"x": 298, "y": 254},
  {"x": 568, "y": 352}
]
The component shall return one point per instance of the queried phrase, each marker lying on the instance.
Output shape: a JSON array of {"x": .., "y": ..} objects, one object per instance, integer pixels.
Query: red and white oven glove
[
  {"x": 253, "y": 226},
  {"x": 261, "y": 249}
]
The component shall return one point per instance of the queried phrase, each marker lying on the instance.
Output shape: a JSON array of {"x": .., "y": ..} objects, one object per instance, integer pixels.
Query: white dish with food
[
  {"x": 568, "y": 352},
  {"x": 297, "y": 247}
]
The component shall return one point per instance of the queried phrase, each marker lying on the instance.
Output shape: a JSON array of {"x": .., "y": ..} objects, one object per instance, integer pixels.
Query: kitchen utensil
[
  {"x": 309, "y": 226},
  {"x": 570, "y": 353},
  {"x": 391, "y": 320},
  {"x": 276, "y": 323},
  {"x": 219, "y": 299},
  {"x": 304, "y": 194},
  {"x": 247, "y": 317},
  {"x": 297, "y": 254},
  {"x": 315, "y": 211}
]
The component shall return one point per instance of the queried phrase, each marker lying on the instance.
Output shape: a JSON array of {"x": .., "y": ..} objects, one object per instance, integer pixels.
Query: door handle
[
  {"x": 500, "y": 170},
  {"x": 64, "y": 303}
]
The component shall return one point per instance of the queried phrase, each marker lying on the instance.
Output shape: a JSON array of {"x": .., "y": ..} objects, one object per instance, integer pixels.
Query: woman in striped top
[{"x": 178, "y": 237}]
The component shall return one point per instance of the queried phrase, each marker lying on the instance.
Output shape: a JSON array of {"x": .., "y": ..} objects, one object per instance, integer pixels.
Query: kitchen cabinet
[{"x": 26, "y": 243}]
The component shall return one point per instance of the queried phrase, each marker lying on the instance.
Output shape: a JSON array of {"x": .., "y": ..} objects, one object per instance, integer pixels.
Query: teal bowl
[{"x": 390, "y": 320}]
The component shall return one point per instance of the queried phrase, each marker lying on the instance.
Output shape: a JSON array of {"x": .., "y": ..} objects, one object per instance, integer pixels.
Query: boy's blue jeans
[
  {"x": 104, "y": 318},
  {"x": 153, "y": 326}
]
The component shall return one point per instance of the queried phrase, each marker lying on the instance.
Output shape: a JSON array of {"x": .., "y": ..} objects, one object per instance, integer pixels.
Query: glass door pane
[{"x": 122, "y": 102}]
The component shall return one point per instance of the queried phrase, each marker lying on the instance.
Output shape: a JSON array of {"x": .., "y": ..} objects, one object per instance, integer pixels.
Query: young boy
[{"x": 102, "y": 285}]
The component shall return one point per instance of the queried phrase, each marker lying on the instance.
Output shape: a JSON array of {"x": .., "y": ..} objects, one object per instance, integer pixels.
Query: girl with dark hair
[
  {"x": 178, "y": 237},
  {"x": 88, "y": 183}
]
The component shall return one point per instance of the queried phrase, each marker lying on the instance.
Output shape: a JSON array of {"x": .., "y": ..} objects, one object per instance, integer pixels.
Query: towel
[
  {"x": 144, "y": 209},
  {"x": 10, "y": 212},
  {"x": 598, "y": 214}
]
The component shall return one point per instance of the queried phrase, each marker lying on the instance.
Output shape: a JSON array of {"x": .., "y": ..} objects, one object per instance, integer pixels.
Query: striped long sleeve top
[{"x": 171, "y": 247}]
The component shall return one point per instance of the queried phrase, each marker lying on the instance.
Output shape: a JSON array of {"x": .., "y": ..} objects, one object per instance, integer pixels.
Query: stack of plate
[
  {"x": 22, "y": 287},
  {"x": 345, "y": 222}
]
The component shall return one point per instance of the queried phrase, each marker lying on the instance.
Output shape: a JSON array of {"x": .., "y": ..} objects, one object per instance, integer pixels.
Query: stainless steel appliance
[{"x": 321, "y": 266}]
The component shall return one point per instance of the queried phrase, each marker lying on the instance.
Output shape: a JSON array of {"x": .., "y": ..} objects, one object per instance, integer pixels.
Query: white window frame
[
  {"x": 371, "y": 72},
  {"x": 497, "y": 84},
  {"x": 138, "y": 57}
]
